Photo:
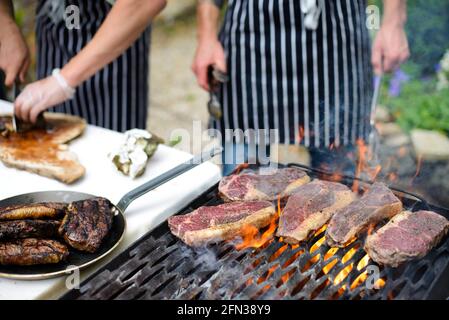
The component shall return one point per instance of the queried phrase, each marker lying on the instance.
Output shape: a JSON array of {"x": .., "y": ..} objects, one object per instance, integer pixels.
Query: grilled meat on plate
[
  {"x": 20, "y": 229},
  {"x": 377, "y": 203},
  {"x": 27, "y": 252},
  {"x": 50, "y": 210},
  {"x": 87, "y": 223},
  {"x": 311, "y": 207},
  {"x": 249, "y": 186},
  {"x": 409, "y": 235}
]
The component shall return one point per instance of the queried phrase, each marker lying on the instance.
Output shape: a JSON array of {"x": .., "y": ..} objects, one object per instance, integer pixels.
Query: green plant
[{"x": 420, "y": 105}]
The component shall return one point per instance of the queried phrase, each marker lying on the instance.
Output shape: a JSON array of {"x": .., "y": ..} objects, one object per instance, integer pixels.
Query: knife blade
[{"x": 17, "y": 124}]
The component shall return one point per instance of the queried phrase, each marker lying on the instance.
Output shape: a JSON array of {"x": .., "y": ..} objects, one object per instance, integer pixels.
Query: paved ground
[{"x": 175, "y": 100}]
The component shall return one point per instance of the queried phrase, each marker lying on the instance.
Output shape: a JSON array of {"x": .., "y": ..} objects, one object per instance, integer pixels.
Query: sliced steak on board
[
  {"x": 376, "y": 204},
  {"x": 222, "y": 222},
  {"x": 311, "y": 207},
  {"x": 409, "y": 235},
  {"x": 87, "y": 223},
  {"x": 249, "y": 186},
  {"x": 27, "y": 252},
  {"x": 20, "y": 229}
]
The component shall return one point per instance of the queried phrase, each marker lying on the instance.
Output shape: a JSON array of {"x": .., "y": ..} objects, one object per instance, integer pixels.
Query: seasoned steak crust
[
  {"x": 27, "y": 252},
  {"x": 408, "y": 236},
  {"x": 311, "y": 207},
  {"x": 222, "y": 222},
  {"x": 251, "y": 186},
  {"x": 20, "y": 229},
  {"x": 87, "y": 223},
  {"x": 50, "y": 210}
]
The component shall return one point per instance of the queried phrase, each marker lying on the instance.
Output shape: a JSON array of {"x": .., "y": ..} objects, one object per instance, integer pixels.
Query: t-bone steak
[
  {"x": 222, "y": 222},
  {"x": 249, "y": 186},
  {"x": 311, "y": 207},
  {"x": 409, "y": 235},
  {"x": 377, "y": 204}
]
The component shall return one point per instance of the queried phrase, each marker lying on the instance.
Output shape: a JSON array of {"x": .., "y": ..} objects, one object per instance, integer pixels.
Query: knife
[
  {"x": 19, "y": 125},
  {"x": 16, "y": 92}
]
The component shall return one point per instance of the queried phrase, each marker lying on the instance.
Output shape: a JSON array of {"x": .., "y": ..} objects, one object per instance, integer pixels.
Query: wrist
[
  {"x": 70, "y": 76},
  {"x": 396, "y": 20},
  {"x": 69, "y": 90}
]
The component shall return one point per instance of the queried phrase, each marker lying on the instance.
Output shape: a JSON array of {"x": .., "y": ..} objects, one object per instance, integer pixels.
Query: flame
[
  {"x": 364, "y": 156},
  {"x": 300, "y": 134},
  {"x": 241, "y": 167},
  {"x": 292, "y": 259},
  {"x": 251, "y": 237},
  {"x": 418, "y": 168},
  {"x": 267, "y": 274}
]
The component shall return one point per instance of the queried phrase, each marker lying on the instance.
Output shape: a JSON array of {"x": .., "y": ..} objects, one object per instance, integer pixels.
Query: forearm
[
  {"x": 395, "y": 12},
  {"x": 207, "y": 16},
  {"x": 123, "y": 25}
]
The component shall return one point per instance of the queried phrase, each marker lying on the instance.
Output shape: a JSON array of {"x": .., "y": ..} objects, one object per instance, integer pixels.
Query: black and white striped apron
[
  {"x": 313, "y": 86},
  {"x": 116, "y": 97}
]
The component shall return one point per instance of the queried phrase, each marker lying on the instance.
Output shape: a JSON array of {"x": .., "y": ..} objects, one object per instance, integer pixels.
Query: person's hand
[
  {"x": 39, "y": 96},
  {"x": 209, "y": 52},
  {"x": 14, "y": 53},
  {"x": 390, "y": 49}
]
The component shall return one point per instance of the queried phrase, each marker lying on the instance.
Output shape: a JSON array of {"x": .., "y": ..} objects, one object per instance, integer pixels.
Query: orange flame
[
  {"x": 251, "y": 237},
  {"x": 364, "y": 156}
]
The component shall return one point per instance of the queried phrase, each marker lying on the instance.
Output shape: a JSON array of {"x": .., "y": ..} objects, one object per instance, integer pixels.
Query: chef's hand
[
  {"x": 14, "y": 53},
  {"x": 208, "y": 52},
  {"x": 390, "y": 48},
  {"x": 41, "y": 95}
]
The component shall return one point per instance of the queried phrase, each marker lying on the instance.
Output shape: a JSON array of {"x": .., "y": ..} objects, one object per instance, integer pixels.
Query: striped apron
[
  {"x": 313, "y": 85},
  {"x": 116, "y": 97}
]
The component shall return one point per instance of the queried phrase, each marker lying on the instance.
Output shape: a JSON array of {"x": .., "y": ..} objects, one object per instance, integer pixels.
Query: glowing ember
[
  {"x": 359, "y": 280},
  {"x": 349, "y": 254},
  {"x": 330, "y": 253},
  {"x": 267, "y": 274},
  {"x": 292, "y": 259},
  {"x": 329, "y": 266},
  {"x": 316, "y": 245},
  {"x": 320, "y": 230},
  {"x": 363, "y": 262},
  {"x": 343, "y": 274},
  {"x": 278, "y": 253}
]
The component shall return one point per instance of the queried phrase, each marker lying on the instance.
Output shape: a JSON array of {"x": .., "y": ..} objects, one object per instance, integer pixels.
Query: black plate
[{"x": 76, "y": 259}]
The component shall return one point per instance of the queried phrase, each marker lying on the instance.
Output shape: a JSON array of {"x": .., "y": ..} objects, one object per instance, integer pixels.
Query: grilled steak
[
  {"x": 27, "y": 252},
  {"x": 226, "y": 221},
  {"x": 87, "y": 223},
  {"x": 377, "y": 203},
  {"x": 311, "y": 207},
  {"x": 407, "y": 236},
  {"x": 20, "y": 229},
  {"x": 52, "y": 210},
  {"x": 252, "y": 186}
]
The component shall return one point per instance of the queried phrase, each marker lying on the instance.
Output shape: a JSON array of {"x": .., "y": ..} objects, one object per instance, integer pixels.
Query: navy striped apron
[
  {"x": 116, "y": 97},
  {"x": 312, "y": 85}
]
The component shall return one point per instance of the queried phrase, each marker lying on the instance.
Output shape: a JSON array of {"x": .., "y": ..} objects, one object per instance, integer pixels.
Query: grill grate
[{"x": 159, "y": 266}]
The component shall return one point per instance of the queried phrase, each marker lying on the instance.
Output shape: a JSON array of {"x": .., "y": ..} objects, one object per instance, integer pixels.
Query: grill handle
[{"x": 165, "y": 177}]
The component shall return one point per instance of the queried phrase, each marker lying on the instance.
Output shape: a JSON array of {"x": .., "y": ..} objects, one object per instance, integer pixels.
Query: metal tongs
[
  {"x": 215, "y": 78},
  {"x": 372, "y": 139}
]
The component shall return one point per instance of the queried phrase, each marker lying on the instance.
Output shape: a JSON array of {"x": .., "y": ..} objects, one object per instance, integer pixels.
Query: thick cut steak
[
  {"x": 409, "y": 235},
  {"x": 51, "y": 210},
  {"x": 311, "y": 207},
  {"x": 87, "y": 223},
  {"x": 252, "y": 186},
  {"x": 27, "y": 252},
  {"x": 376, "y": 204},
  {"x": 20, "y": 229},
  {"x": 226, "y": 221}
]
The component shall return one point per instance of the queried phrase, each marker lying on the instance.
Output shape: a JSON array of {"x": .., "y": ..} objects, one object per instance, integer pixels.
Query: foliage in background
[{"x": 420, "y": 105}]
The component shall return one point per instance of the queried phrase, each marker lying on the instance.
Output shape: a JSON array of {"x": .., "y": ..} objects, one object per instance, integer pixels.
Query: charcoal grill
[{"x": 159, "y": 266}]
